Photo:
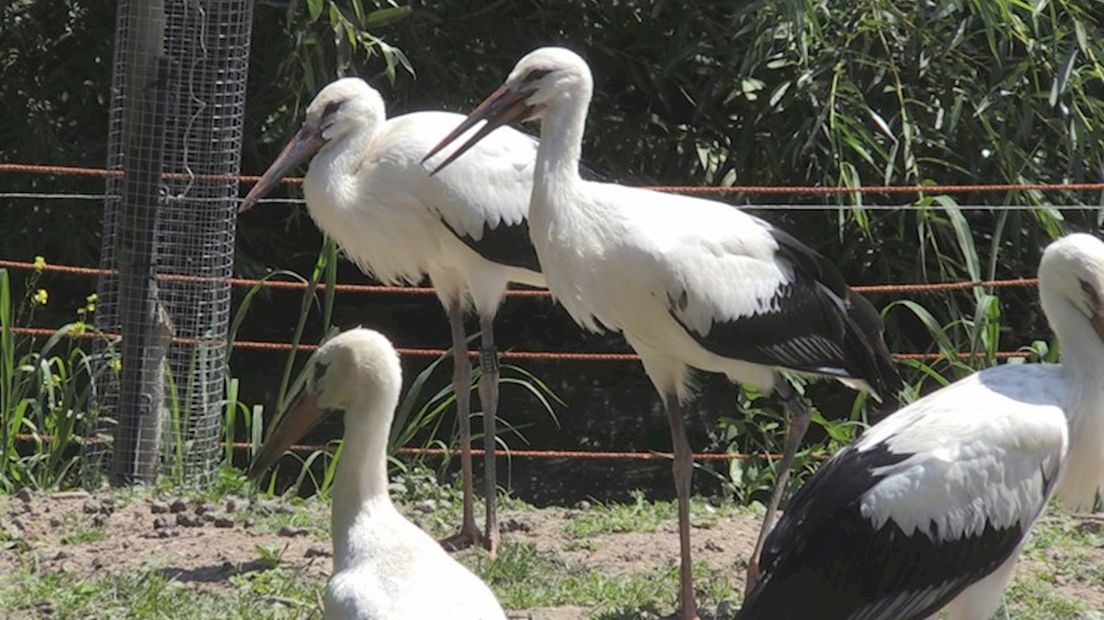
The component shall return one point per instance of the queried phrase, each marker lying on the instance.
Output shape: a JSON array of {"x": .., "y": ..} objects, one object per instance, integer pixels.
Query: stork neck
[
  {"x": 360, "y": 484},
  {"x": 1082, "y": 349},
  {"x": 337, "y": 162},
  {"x": 561, "y": 142}
]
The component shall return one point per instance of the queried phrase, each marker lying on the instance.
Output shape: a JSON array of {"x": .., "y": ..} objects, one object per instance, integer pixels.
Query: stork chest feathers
[
  {"x": 1080, "y": 483},
  {"x": 578, "y": 246},
  {"x": 378, "y": 224}
]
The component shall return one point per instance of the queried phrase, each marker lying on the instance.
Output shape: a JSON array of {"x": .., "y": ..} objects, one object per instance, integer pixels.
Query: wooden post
[{"x": 146, "y": 327}]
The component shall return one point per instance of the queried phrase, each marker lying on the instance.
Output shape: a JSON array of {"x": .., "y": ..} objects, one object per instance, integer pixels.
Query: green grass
[
  {"x": 81, "y": 530},
  {"x": 1062, "y": 555},
  {"x": 1034, "y": 598},
  {"x": 1060, "y": 549},
  {"x": 148, "y": 594},
  {"x": 643, "y": 515},
  {"x": 524, "y": 577}
]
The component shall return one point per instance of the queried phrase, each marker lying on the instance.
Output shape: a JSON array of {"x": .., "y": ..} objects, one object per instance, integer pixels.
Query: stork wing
[
  {"x": 748, "y": 291},
  {"x": 483, "y": 197},
  {"x": 924, "y": 504}
]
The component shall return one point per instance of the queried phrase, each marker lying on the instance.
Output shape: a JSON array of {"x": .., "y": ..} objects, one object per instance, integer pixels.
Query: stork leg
[
  {"x": 461, "y": 387},
  {"x": 682, "y": 468},
  {"x": 798, "y": 412},
  {"x": 488, "y": 397}
]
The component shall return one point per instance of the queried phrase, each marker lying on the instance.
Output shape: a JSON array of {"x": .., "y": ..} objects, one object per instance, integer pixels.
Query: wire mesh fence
[{"x": 177, "y": 105}]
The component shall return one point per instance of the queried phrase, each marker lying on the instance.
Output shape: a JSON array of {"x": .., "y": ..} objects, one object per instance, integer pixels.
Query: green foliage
[
  {"x": 640, "y": 515},
  {"x": 790, "y": 93},
  {"x": 45, "y": 397},
  {"x": 149, "y": 594},
  {"x": 418, "y": 418}
]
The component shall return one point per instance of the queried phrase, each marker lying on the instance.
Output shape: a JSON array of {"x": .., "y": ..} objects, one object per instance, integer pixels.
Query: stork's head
[
  {"x": 541, "y": 80},
  {"x": 356, "y": 374},
  {"x": 1071, "y": 282},
  {"x": 340, "y": 109}
]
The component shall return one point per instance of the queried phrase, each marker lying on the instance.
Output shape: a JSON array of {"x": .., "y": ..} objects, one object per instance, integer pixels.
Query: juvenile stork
[
  {"x": 929, "y": 508},
  {"x": 384, "y": 566},
  {"x": 690, "y": 283},
  {"x": 466, "y": 230}
]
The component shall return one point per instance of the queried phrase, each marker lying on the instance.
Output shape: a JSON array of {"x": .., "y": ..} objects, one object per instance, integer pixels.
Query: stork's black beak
[
  {"x": 301, "y": 417},
  {"x": 503, "y": 107},
  {"x": 304, "y": 145}
]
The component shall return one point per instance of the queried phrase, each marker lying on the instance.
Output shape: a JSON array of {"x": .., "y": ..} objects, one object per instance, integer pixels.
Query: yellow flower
[
  {"x": 40, "y": 297},
  {"x": 116, "y": 364},
  {"x": 39, "y": 263},
  {"x": 79, "y": 328},
  {"x": 91, "y": 298}
]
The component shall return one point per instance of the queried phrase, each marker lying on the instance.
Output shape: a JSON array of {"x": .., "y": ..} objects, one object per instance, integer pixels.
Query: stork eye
[
  {"x": 331, "y": 107},
  {"x": 1094, "y": 298},
  {"x": 320, "y": 371},
  {"x": 535, "y": 74}
]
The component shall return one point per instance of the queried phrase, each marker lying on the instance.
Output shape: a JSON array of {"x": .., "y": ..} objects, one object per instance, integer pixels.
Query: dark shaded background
[{"x": 686, "y": 93}]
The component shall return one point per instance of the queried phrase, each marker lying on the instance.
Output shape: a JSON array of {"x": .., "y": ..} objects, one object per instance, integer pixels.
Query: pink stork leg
[
  {"x": 683, "y": 468},
  {"x": 461, "y": 386},
  {"x": 488, "y": 397},
  {"x": 798, "y": 412}
]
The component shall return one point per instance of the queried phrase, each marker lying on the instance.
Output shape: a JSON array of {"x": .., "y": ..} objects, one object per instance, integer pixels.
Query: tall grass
[
  {"x": 46, "y": 393},
  {"x": 420, "y": 419}
]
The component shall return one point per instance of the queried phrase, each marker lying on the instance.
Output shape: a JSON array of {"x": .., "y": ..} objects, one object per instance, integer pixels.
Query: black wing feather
[
  {"x": 817, "y": 324},
  {"x": 505, "y": 244},
  {"x": 825, "y": 560},
  {"x": 509, "y": 244}
]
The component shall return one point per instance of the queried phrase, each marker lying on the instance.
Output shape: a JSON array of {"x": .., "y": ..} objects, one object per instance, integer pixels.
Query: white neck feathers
[{"x": 360, "y": 489}]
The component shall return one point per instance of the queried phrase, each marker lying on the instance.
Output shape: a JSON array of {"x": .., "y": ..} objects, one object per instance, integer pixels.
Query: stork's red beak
[
  {"x": 301, "y": 417},
  {"x": 503, "y": 107},
  {"x": 305, "y": 144},
  {"x": 1098, "y": 325}
]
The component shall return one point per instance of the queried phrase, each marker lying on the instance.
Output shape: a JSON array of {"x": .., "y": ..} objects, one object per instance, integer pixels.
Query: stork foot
[
  {"x": 689, "y": 612},
  {"x": 466, "y": 537},
  {"x": 490, "y": 544}
]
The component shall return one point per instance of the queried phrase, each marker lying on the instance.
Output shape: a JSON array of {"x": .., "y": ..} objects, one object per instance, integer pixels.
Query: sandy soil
[
  {"x": 203, "y": 545},
  {"x": 183, "y": 545}
]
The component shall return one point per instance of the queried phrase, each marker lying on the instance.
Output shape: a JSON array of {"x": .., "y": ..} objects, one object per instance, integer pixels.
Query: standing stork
[
  {"x": 384, "y": 566},
  {"x": 467, "y": 230},
  {"x": 690, "y": 283},
  {"x": 929, "y": 508}
]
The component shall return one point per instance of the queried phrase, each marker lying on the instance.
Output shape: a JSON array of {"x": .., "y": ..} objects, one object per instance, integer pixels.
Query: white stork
[
  {"x": 384, "y": 565},
  {"x": 690, "y": 283},
  {"x": 929, "y": 508},
  {"x": 366, "y": 188}
]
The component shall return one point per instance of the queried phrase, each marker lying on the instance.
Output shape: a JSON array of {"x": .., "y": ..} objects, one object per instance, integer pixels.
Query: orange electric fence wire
[
  {"x": 918, "y": 287},
  {"x": 575, "y": 356},
  {"x": 596, "y": 455},
  {"x": 277, "y": 284},
  {"x": 549, "y": 355},
  {"x": 748, "y": 189}
]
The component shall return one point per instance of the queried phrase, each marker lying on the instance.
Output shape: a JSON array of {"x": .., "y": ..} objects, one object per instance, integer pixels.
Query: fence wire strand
[
  {"x": 44, "y": 169},
  {"x": 577, "y": 356},
  {"x": 571, "y": 356},
  {"x": 915, "y": 287}
]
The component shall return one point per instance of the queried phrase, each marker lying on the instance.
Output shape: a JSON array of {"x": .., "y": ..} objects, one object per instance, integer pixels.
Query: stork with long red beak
[
  {"x": 691, "y": 283},
  {"x": 466, "y": 229}
]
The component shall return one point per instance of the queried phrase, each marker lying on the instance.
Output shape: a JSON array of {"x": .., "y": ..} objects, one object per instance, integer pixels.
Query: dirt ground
[{"x": 203, "y": 545}]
